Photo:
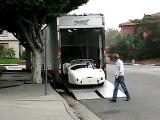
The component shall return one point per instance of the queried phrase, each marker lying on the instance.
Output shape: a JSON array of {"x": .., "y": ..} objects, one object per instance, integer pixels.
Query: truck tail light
[
  {"x": 59, "y": 60},
  {"x": 105, "y": 69},
  {"x": 59, "y": 54},
  {"x": 59, "y": 71}
]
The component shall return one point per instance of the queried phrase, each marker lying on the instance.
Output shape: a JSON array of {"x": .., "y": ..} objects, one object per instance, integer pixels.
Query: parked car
[{"x": 83, "y": 72}]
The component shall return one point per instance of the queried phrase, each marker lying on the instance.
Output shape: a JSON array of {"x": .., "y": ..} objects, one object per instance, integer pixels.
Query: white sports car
[{"x": 83, "y": 72}]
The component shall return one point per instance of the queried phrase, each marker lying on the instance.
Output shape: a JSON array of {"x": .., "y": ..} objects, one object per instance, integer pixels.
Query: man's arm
[{"x": 121, "y": 68}]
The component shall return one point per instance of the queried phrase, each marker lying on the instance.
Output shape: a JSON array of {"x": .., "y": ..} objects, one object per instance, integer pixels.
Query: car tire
[{"x": 101, "y": 84}]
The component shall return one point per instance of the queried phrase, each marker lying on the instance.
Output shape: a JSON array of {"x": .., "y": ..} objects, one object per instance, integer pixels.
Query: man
[
  {"x": 119, "y": 79},
  {"x": 89, "y": 65}
]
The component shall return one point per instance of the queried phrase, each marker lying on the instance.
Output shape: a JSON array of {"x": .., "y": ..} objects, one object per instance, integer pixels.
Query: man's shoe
[
  {"x": 128, "y": 99},
  {"x": 112, "y": 100}
]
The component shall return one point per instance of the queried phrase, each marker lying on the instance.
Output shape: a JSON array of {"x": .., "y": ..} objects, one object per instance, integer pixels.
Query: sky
[{"x": 119, "y": 11}]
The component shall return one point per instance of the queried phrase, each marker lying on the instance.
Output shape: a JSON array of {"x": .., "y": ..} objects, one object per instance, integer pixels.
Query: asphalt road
[{"x": 143, "y": 83}]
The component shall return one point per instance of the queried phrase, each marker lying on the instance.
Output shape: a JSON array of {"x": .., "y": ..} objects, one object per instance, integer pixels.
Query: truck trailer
[{"x": 73, "y": 37}]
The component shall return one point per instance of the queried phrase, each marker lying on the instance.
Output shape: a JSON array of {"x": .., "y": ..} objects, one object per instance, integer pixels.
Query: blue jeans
[{"x": 120, "y": 80}]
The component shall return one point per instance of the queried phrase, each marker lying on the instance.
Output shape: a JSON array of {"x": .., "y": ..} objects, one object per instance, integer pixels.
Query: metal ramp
[
  {"x": 71, "y": 88},
  {"x": 84, "y": 94},
  {"x": 93, "y": 92},
  {"x": 106, "y": 90}
]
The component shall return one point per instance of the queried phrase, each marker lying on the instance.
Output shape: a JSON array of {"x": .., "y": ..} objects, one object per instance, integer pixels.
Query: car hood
[{"x": 89, "y": 72}]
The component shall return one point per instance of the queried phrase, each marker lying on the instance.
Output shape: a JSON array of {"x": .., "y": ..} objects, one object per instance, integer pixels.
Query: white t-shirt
[{"x": 119, "y": 68}]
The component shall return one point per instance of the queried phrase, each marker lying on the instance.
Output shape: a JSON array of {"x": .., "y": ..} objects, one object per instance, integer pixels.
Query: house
[
  {"x": 130, "y": 28},
  {"x": 127, "y": 28},
  {"x": 7, "y": 40}
]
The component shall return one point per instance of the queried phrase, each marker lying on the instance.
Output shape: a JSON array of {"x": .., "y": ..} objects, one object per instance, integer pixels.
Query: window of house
[{"x": 5, "y": 45}]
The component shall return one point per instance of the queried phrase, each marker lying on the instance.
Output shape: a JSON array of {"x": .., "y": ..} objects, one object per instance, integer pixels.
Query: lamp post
[{"x": 45, "y": 66}]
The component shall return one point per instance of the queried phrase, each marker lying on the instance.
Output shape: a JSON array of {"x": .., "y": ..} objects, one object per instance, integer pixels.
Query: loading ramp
[
  {"x": 107, "y": 90},
  {"x": 85, "y": 94},
  {"x": 92, "y": 92}
]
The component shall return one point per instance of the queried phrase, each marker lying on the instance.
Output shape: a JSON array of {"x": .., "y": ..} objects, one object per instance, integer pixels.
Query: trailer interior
[{"x": 81, "y": 44}]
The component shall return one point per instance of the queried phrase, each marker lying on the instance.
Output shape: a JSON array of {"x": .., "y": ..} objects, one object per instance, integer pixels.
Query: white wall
[
  {"x": 15, "y": 46},
  {"x": 9, "y": 38}
]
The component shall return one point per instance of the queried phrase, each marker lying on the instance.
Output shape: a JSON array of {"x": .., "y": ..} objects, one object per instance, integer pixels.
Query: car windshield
[
  {"x": 78, "y": 66},
  {"x": 81, "y": 61}
]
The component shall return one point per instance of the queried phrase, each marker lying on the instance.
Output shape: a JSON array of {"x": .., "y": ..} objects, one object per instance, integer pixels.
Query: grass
[{"x": 10, "y": 60}]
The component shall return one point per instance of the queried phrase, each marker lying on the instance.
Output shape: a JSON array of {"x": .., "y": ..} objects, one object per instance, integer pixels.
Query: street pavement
[{"x": 22, "y": 100}]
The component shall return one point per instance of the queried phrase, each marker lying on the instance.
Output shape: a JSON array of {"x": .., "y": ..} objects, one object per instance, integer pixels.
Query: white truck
[{"x": 74, "y": 37}]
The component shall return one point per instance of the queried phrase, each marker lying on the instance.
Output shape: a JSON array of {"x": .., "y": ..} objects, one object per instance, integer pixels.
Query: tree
[
  {"x": 134, "y": 45},
  {"x": 111, "y": 37},
  {"x": 24, "y": 19},
  {"x": 149, "y": 25},
  {"x": 129, "y": 47}
]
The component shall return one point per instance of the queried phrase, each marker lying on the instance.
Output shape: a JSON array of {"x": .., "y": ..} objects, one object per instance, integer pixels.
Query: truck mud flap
[
  {"x": 106, "y": 91},
  {"x": 84, "y": 94}
]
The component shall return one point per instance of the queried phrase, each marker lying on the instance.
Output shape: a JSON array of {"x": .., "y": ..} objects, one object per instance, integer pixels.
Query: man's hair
[{"x": 116, "y": 56}]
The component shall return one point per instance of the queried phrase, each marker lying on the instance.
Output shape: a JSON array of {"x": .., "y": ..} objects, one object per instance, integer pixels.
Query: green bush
[
  {"x": 2, "y": 68},
  {"x": 7, "y": 53}
]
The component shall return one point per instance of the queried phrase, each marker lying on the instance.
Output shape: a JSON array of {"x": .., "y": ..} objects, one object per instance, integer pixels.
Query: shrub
[{"x": 7, "y": 53}]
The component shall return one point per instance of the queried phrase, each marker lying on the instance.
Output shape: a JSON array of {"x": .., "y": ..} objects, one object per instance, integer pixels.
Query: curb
[
  {"x": 11, "y": 84},
  {"x": 68, "y": 109}
]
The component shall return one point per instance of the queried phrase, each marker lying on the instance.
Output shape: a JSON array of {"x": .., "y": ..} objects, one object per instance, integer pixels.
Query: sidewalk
[{"x": 19, "y": 101}]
